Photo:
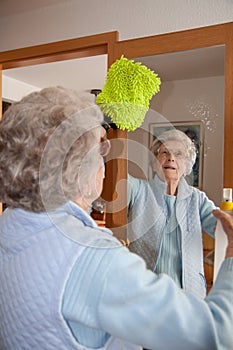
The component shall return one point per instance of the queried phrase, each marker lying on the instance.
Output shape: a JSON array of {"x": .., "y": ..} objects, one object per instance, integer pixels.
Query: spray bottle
[{"x": 220, "y": 236}]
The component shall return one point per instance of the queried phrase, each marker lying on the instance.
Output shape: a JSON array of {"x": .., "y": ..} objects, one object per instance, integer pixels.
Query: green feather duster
[{"x": 127, "y": 92}]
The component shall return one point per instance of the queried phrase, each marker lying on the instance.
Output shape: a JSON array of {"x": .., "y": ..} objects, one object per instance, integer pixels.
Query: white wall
[
  {"x": 132, "y": 18},
  {"x": 187, "y": 100},
  {"x": 14, "y": 90}
]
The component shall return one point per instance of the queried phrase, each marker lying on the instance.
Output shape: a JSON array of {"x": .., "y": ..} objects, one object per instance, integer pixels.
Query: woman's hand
[{"x": 227, "y": 224}]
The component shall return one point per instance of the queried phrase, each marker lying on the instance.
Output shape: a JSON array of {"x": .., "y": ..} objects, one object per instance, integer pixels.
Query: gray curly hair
[
  {"x": 48, "y": 140},
  {"x": 177, "y": 135}
]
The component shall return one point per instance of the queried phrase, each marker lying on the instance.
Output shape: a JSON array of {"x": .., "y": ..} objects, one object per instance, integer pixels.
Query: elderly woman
[
  {"x": 65, "y": 282},
  {"x": 167, "y": 216}
]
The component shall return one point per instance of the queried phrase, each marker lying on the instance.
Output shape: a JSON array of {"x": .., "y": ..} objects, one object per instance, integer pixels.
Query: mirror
[
  {"x": 192, "y": 99},
  {"x": 202, "y": 96}
]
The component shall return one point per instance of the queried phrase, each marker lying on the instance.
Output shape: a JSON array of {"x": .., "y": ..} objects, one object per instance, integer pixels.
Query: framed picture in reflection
[{"x": 195, "y": 131}]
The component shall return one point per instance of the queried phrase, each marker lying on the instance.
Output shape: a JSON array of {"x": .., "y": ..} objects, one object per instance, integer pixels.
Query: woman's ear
[{"x": 155, "y": 165}]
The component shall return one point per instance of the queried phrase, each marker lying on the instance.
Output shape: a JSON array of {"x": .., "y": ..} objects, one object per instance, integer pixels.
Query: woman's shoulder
[
  {"x": 134, "y": 181},
  {"x": 79, "y": 227},
  {"x": 134, "y": 187},
  {"x": 202, "y": 198}
]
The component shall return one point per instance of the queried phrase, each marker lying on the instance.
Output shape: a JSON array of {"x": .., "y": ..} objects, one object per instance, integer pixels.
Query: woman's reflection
[{"x": 167, "y": 215}]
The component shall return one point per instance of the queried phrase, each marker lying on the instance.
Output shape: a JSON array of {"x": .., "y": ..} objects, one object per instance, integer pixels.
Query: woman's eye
[{"x": 179, "y": 154}]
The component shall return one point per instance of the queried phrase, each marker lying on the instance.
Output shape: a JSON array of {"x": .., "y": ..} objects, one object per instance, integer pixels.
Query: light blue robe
[
  {"x": 100, "y": 287},
  {"x": 148, "y": 221}
]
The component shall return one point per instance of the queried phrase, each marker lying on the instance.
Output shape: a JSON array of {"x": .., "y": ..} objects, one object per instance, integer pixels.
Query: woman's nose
[{"x": 171, "y": 157}]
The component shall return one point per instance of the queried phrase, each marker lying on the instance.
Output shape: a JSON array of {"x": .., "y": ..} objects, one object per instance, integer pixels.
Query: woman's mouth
[{"x": 167, "y": 167}]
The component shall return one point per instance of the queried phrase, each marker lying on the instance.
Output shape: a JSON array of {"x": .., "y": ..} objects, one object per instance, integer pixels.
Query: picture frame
[{"x": 193, "y": 129}]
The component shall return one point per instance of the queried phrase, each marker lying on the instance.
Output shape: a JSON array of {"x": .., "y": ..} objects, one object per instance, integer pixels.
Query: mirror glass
[{"x": 191, "y": 98}]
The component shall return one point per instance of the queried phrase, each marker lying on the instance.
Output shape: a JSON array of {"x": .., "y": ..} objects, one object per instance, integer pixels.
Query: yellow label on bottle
[{"x": 226, "y": 206}]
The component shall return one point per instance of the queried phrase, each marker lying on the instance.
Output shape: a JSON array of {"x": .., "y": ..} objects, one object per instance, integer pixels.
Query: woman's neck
[
  {"x": 83, "y": 204},
  {"x": 172, "y": 187}
]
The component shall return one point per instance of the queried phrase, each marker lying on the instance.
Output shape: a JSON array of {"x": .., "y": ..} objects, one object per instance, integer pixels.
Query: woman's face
[
  {"x": 171, "y": 158},
  {"x": 97, "y": 183}
]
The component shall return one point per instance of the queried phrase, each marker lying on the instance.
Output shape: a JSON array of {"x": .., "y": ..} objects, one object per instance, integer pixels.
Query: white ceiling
[
  {"x": 190, "y": 64},
  {"x": 89, "y": 73}
]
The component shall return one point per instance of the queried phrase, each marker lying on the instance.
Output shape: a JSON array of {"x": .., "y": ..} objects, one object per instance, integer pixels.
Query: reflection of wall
[
  {"x": 189, "y": 100},
  {"x": 14, "y": 90}
]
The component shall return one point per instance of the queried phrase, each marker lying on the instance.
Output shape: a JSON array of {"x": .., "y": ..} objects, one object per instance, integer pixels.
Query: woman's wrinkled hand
[{"x": 226, "y": 220}]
